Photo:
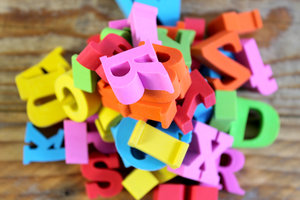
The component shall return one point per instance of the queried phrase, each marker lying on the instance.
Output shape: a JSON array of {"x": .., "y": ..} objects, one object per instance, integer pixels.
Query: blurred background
[{"x": 29, "y": 29}]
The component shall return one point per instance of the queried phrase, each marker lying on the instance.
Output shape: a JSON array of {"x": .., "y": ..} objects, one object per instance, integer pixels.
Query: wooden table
[{"x": 30, "y": 29}]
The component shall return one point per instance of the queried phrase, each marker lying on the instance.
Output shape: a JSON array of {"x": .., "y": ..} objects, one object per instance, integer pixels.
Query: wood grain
[{"x": 29, "y": 29}]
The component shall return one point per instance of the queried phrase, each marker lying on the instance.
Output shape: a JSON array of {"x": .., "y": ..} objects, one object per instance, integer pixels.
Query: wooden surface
[{"x": 31, "y": 28}]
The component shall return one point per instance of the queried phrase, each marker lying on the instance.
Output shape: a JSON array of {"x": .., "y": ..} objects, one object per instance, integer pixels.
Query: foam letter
[
  {"x": 43, "y": 152},
  {"x": 142, "y": 20},
  {"x": 84, "y": 79},
  {"x": 241, "y": 23},
  {"x": 206, "y": 147},
  {"x": 36, "y": 86},
  {"x": 168, "y": 10},
  {"x": 225, "y": 111},
  {"x": 235, "y": 164},
  {"x": 131, "y": 156},
  {"x": 199, "y": 92},
  {"x": 78, "y": 105},
  {"x": 131, "y": 72},
  {"x": 95, "y": 174},
  {"x": 261, "y": 78},
  {"x": 77, "y": 137},
  {"x": 269, "y": 128},
  {"x": 158, "y": 144},
  {"x": 235, "y": 74},
  {"x": 183, "y": 42},
  {"x": 139, "y": 182}
]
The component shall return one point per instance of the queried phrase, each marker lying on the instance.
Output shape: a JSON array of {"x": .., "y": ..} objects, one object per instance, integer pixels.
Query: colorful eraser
[
  {"x": 84, "y": 79},
  {"x": 225, "y": 110},
  {"x": 43, "y": 151},
  {"x": 182, "y": 42},
  {"x": 173, "y": 62},
  {"x": 77, "y": 137},
  {"x": 131, "y": 156},
  {"x": 234, "y": 162},
  {"x": 261, "y": 78},
  {"x": 241, "y": 23},
  {"x": 199, "y": 92},
  {"x": 235, "y": 74},
  {"x": 142, "y": 20},
  {"x": 200, "y": 162},
  {"x": 96, "y": 174},
  {"x": 78, "y": 105},
  {"x": 139, "y": 182},
  {"x": 169, "y": 191},
  {"x": 131, "y": 72},
  {"x": 36, "y": 86},
  {"x": 199, "y": 192},
  {"x": 183, "y": 192},
  {"x": 158, "y": 144},
  {"x": 268, "y": 129},
  {"x": 168, "y": 10},
  {"x": 107, "y": 118},
  {"x": 76, "y": 142}
]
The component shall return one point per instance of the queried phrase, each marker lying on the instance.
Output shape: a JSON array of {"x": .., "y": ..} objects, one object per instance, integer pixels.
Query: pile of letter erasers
[{"x": 160, "y": 99}]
